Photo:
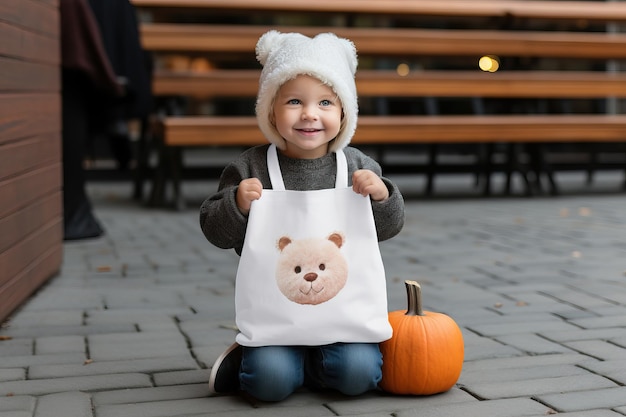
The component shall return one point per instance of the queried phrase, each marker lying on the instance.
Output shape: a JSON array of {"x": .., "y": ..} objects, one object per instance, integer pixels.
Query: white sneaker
[{"x": 225, "y": 372}]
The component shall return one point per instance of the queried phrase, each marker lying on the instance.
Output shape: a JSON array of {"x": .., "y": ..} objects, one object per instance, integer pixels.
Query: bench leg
[
  {"x": 143, "y": 158},
  {"x": 546, "y": 168},
  {"x": 514, "y": 164},
  {"x": 176, "y": 155},
  {"x": 486, "y": 151},
  {"x": 539, "y": 161},
  {"x": 431, "y": 168},
  {"x": 159, "y": 178}
]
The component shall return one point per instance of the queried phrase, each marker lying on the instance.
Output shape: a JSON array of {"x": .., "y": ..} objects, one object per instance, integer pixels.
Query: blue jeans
[{"x": 272, "y": 373}]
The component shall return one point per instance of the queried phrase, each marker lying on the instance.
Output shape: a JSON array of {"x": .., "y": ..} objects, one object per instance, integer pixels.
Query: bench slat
[
  {"x": 234, "y": 131},
  {"x": 519, "y": 84},
  {"x": 560, "y": 10},
  {"x": 390, "y": 42}
]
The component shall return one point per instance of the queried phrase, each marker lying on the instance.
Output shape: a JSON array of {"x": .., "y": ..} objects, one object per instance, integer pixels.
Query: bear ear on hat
[
  {"x": 345, "y": 46},
  {"x": 350, "y": 52},
  {"x": 268, "y": 42}
]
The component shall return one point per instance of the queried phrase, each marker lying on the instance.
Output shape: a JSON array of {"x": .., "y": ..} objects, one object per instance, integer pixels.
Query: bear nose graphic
[{"x": 310, "y": 277}]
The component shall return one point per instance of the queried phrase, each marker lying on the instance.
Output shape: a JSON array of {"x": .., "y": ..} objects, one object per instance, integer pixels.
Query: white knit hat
[{"x": 330, "y": 59}]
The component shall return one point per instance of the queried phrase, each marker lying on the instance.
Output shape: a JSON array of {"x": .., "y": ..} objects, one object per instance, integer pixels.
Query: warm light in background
[
  {"x": 403, "y": 70},
  {"x": 489, "y": 63}
]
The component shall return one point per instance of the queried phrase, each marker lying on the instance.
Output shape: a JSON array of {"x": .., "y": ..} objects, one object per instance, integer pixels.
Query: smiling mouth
[{"x": 312, "y": 289}]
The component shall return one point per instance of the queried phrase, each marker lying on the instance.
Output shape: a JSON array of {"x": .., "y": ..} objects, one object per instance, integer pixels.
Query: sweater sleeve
[{"x": 220, "y": 219}]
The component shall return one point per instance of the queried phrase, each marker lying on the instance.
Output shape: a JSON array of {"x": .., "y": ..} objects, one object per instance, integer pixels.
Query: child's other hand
[
  {"x": 249, "y": 190},
  {"x": 366, "y": 182}
]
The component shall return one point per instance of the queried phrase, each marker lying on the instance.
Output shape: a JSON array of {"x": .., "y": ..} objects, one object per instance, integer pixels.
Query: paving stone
[
  {"x": 66, "y": 299},
  {"x": 494, "y": 330},
  {"x": 18, "y": 403},
  {"x": 621, "y": 410},
  {"x": 279, "y": 411},
  {"x": 581, "y": 334},
  {"x": 83, "y": 383},
  {"x": 515, "y": 407},
  {"x": 34, "y": 332},
  {"x": 214, "y": 405},
  {"x": 15, "y": 414},
  {"x": 75, "y": 404},
  {"x": 598, "y": 349},
  {"x": 533, "y": 344},
  {"x": 479, "y": 376},
  {"x": 30, "y": 360},
  {"x": 134, "y": 315},
  {"x": 378, "y": 402},
  {"x": 182, "y": 377},
  {"x": 49, "y": 317},
  {"x": 153, "y": 394},
  {"x": 16, "y": 347},
  {"x": 601, "y": 322},
  {"x": 143, "y": 365},
  {"x": 12, "y": 374},
  {"x": 605, "y": 367},
  {"x": 137, "y": 346},
  {"x": 586, "y": 400},
  {"x": 588, "y": 413},
  {"x": 524, "y": 361},
  {"x": 60, "y": 344},
  {"x": 533, "y": 387}
]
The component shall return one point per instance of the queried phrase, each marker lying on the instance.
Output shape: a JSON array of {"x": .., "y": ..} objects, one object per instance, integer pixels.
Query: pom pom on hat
[{"x": 326, "y": 57}]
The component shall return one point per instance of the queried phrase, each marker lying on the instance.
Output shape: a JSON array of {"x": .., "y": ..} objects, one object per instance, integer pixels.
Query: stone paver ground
[{"x": 135, "y": 319}]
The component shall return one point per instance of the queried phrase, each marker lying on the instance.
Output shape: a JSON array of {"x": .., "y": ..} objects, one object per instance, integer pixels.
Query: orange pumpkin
[{"x": 425, "y": 354}]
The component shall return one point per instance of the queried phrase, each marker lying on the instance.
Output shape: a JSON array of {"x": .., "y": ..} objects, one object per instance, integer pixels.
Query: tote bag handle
[{"x": 276, "y": 176}]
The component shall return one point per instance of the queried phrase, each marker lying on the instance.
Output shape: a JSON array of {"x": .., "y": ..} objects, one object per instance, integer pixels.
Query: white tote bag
[{"x": 310, "y": 271}]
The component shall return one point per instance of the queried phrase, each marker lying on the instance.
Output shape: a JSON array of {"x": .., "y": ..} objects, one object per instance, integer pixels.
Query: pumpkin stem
[{"x": 414, "y": 298}]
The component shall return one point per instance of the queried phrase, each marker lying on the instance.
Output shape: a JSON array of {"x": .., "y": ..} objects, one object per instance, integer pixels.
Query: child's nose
[{"x": 309, "y": 113}]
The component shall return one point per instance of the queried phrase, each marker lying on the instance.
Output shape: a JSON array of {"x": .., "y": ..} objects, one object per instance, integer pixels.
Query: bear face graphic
[{"x": 312, "y": 270}]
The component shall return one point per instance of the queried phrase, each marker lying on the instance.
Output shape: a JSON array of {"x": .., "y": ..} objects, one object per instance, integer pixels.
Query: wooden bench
[
  {"x": 387, "y": 83},
  {"x": 523, "y": 9},
  {"x": 236, "y": 41},
  {"x": 404, "y": 42}
]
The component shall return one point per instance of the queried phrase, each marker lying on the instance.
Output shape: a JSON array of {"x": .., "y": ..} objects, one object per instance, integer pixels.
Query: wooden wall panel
[
  {"x": 17, "y": 42},
  {"x": 24, "y": 116},
  {"x": 26, "y": 76},
  {"x": 31, "y": 221}
]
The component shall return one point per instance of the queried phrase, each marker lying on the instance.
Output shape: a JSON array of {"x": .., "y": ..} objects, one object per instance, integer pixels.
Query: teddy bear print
[{"x": 313, "y": 270}]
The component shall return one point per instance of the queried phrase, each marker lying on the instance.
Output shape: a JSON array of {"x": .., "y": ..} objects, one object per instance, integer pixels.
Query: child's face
[{"x": 307, "y": 114}]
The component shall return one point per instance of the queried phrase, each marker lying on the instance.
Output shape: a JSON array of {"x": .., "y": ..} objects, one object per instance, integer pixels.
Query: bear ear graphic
[
  {"x": 337, "y": 238},
  {"x": 283, "y": 242}
]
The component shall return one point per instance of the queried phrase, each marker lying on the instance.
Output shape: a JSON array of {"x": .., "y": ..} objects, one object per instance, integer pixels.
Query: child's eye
[
  {"x": 293, "y": 101},
  {"x": 326, "y": 103}
]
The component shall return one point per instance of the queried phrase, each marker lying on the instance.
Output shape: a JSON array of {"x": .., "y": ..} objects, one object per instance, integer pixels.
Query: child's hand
[
  {"x": 366, "y": 182},
  {"x": 249, "y": 190}
]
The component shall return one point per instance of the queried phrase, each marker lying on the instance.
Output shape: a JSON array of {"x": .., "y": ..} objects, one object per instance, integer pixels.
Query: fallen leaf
[
  {"x": 88, "y": 361},
  {"x": 564, "y": 212},
  {"x": 5, "y": 337},
  {"x": 498, "y": 305},
  {"x": 521, "y": 304},
  {"x": 103, "y": 268},
  {"x": 577, "y": 254},
  {"x": 584, "y": 211}
]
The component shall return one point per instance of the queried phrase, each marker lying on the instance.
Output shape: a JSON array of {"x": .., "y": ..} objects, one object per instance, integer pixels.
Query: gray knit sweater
[{"x": 224, "y": 226}]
